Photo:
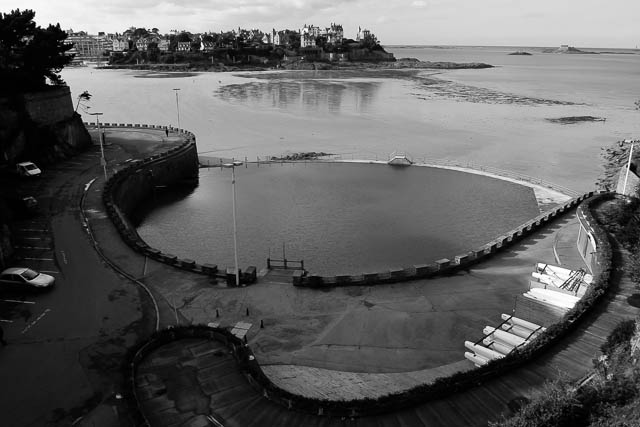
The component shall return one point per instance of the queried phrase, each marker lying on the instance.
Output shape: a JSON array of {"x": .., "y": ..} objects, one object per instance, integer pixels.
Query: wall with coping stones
[
  {"x": 442, "y": 266},
  {"x": 137, "y": 181},
  {"x": 440, "y": 388}
]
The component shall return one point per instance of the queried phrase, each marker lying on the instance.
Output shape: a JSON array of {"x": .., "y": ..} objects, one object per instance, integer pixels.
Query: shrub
[
  {"x": 620, "y": 336},
  {"x": 555, "y": 405}
]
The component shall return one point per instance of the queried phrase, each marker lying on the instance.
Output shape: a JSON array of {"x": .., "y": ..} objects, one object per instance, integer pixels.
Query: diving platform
[{"x": 400, "y": 159}]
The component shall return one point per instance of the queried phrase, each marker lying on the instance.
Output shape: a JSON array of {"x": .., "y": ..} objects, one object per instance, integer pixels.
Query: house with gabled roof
[
  {"x": 183, "y": 46},
  {"x": 119, "y": 45},
  {"x": 142, "y": 44},
  {"x": 207, "y": 46},
  {"x": 163, "y": 45}
]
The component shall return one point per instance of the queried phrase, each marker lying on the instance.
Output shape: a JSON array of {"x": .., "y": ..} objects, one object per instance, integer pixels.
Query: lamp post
[
  {"x": 232, "y": 166},
  {"x": 177, "y": 106},
  {"x": 626, "y": 176},
  {"x": 103, "y": 162}
]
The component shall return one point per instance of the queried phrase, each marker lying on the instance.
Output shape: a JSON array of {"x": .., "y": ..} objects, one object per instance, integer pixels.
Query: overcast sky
[{"x": 581, "y": 23}]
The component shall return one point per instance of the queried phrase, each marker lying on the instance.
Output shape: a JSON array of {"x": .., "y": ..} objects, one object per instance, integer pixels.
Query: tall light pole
[
  {"x": 626, "y": 176},
  {"x": 232, "y": 166},
  {"x": 103, "y": 162},
  {"x": 177, "y": 106}
]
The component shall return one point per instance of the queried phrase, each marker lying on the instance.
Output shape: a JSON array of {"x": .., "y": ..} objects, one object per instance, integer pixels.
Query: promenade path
[{"x": 184, "y": 382}]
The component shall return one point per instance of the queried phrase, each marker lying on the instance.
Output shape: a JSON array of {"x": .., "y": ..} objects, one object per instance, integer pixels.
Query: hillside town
[{"x": 238, "y": 46}]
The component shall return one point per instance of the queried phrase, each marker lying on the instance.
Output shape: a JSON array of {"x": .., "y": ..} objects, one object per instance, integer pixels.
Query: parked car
[
  {"x": 22, "y": 278},
  {"x": 28, "y": 169}
]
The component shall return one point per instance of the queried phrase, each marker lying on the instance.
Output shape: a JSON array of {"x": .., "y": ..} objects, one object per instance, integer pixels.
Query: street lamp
[
  {"x": 626, "y": 176},
  {"x": 232, "y": 166},
  {"x": 103, "y": 162},
  {"x": 177, "y": 106}
]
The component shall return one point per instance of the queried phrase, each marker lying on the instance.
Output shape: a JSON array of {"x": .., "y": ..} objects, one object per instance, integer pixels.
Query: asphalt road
[{"x": 65, "y": 346}]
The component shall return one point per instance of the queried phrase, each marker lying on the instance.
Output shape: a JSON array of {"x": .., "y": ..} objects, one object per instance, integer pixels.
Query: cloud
[{"x": 419, "y": 3}]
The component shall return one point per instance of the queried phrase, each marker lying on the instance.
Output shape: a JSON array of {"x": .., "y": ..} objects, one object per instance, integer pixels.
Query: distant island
[
  {"x": 238, "y": 48},
  {"x": 309, "y": 48},
  {"x": 520, "y": 52},
  {"x": 568, "y": 50}
]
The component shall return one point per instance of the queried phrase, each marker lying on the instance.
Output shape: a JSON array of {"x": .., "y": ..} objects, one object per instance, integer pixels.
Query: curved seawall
[{"x": 137, "y": 182}]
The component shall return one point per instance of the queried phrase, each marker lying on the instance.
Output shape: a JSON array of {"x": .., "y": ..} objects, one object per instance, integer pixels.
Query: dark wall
[
  {"x": 178, "y": 168},
  {"x": 40, "y": 126}
]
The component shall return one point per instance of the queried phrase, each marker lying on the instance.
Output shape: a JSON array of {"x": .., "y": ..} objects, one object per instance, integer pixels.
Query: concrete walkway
[{"x": 559, "y": 245}]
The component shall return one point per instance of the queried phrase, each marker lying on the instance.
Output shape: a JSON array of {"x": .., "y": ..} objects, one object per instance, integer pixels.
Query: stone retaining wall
[
  {"x": 50, "y": 106},
  {"x": 442, "y": 266},
  {"x": 137, "y": 181}
]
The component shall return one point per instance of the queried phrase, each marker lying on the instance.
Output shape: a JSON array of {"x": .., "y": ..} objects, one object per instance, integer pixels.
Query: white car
[
  {"x": 22, "y": 278},
  {"x": 28, "y": 169}
]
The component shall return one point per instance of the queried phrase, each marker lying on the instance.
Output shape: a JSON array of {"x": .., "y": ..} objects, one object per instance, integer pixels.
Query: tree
[
  {"x": 140, "y": 33},
  {"x": 369, "y": 41},
  {"x": 195, "y": 44},
  {"x": 84, "y": 96},
  {"x": 153, "y": 52},
  {"x": 184, "y": 37},
  {"x": 228, "y": 39},
  {"x": 29, "y": 54}
]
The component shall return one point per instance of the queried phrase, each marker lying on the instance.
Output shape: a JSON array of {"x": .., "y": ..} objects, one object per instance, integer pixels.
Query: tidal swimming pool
[{"x": 340, "y": 218}]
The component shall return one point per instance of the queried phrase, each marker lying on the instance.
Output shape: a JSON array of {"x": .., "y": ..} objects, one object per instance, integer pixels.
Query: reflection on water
[
  {"x": 339, "y": 218},
  {"x": 340, "y": 91},
  {"x": 309, "y": 95}
]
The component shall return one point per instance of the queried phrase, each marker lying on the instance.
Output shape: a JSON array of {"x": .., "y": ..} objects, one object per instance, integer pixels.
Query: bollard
[
  {"x": 261, "y": 324},
  {"x": 217, "y": 313},
  {"x": 247, "y": 311}
]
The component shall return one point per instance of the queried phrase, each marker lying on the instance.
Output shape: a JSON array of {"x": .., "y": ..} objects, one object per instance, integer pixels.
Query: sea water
[{"x": 497, "y": 117}]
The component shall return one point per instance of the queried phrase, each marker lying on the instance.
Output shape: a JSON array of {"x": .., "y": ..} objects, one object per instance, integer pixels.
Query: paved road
[{"x": 66, "y": 345}]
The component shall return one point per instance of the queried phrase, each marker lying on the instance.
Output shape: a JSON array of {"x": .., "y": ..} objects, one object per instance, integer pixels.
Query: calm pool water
[{"x": 337, "y": 217}]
